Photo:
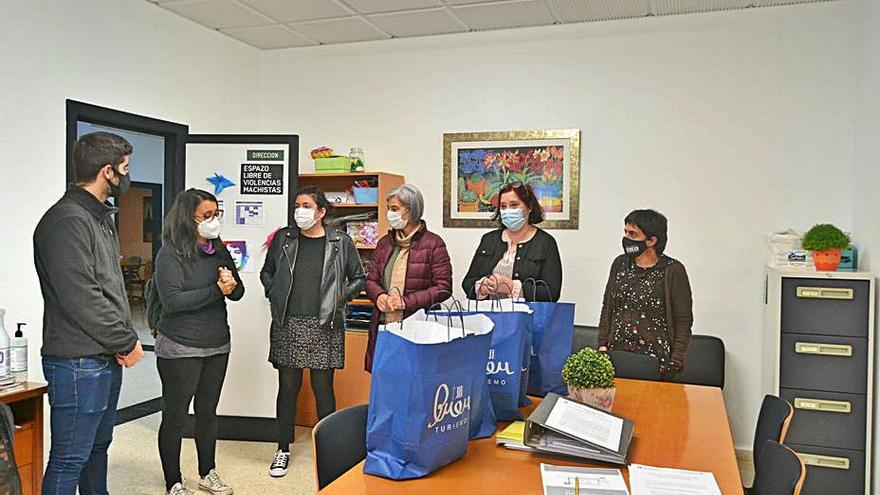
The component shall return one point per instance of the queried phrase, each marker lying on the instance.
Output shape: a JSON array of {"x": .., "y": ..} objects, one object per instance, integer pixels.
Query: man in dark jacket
[{"x": 87, "y": 329}]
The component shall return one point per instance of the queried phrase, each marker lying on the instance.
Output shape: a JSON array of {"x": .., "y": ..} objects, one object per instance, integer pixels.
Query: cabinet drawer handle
[
  {"x": 824, "y": 461},
  {"x": 840, "y": 350},
  {"x": 825, "y": 293},
  {"x": 833, "y": 406}
]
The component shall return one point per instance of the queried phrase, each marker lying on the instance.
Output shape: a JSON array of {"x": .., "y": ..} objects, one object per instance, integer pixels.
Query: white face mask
[
  {"x": 304, "y": 218},
  {"x": 395, "y": 218},
  {"x": 210, "y": 229}
]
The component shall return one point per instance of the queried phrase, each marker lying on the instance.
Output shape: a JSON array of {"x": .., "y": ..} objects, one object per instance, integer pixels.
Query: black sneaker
[{"x": 279, "y": 464}]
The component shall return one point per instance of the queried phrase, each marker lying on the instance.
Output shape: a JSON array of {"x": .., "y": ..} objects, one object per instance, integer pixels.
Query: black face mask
[
  {"x": 634, "y": 248},
  {"x": 124, "y": 185}
]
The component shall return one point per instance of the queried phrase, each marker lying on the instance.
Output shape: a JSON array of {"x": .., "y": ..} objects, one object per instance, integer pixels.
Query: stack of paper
[
  {"x": 512, "y": 437},
  {"x": 648, "y": 480},
  {"x": 565, "y": 480},
  {"x": 562, "y": 426}
]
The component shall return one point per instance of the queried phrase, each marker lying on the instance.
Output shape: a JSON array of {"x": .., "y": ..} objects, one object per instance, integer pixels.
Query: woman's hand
[
  {"x": 503, "y": 285},
  {"x": 225, "y": 274},
  {"x": 226, "y": 287},
  {"x": 226, "y": 281},
  {"x": 396, "y": 303},
  {"x": 602, "y": 348},
  {"x": 382, "y": 303},
  {"x": 487, "y": 286}
]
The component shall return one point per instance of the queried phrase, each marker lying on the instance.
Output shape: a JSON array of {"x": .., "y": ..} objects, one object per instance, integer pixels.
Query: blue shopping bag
[
  {"x": 507, "y": 370},
  {"x": 552, "y": 336},
  {"x": 427, "y": 394}
]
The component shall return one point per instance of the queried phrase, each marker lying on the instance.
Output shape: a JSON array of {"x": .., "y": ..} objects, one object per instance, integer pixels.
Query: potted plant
[
  {"x": 825, "y": 241},
  {"x": 589, "y": 375},
  {"x": 467, "y": 202}
]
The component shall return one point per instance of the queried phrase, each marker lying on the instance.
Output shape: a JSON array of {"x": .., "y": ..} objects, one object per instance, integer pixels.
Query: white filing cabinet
[{"x": 819, "y": 355}]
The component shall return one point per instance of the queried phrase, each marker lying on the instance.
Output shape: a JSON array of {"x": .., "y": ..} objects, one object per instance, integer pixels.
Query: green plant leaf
[
  {"x": 825, "y": 236},
  {"x": 588, "y": 368}
]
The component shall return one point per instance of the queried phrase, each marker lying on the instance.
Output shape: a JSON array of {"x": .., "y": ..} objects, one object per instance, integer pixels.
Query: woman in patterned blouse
[{"x": 647, "y": 306}]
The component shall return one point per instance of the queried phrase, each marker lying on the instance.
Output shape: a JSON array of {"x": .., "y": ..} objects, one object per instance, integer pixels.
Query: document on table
[
  {"x": 566, "y": 480},
  {"x": 648, "y": 480},
  {"x": 585, "y": 423}
]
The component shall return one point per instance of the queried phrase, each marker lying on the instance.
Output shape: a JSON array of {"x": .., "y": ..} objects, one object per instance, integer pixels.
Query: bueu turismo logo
[
  {"x": 456, "y": 408},
  {"x": 495, "y": 367}
]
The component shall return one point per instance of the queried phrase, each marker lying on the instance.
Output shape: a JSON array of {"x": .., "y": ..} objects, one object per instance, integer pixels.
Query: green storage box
[{"x": 333, "y": 165}]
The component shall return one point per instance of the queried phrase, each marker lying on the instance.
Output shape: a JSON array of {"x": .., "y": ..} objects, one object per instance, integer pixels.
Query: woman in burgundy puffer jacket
[{"x": 410, "y": 269}]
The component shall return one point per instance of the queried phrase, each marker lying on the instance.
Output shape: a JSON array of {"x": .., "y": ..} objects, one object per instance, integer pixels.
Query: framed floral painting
[{"x": 476, "y": 165}]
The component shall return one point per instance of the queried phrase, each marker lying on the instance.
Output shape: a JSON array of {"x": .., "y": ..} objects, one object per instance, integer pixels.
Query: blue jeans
[{"x": 83, "y": 394}]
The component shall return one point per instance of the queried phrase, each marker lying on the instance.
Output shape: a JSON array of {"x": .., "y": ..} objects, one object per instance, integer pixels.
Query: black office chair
[
  {"x": 584, "y": 336},
  {"x": 773, "y": 421},
  {"x": 633, "y": 365},
  {"x": 340, "y": 442},
  {"x": 705, "y": 362},
  {"x": 779, "y": 472}
]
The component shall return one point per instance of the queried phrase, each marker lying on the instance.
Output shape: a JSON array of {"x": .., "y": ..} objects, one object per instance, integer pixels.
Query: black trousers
[
  {"x": 289, "y": 383},
  {"x": 183, "y": 379}
]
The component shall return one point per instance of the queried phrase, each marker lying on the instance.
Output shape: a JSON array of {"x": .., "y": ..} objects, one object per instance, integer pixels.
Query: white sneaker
[
  {"x": 180, "y": 489},
  {"x": 279, "y": 464},
  {"x": 212, "y": 483}
]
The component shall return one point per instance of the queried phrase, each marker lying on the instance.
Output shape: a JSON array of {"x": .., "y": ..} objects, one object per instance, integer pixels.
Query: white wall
[
  {"x": 866, "y": 169},
  {"x": 148, "y": 165},
  {"x": 732, "y": 124},
  {"x": 124, "y": 54}
]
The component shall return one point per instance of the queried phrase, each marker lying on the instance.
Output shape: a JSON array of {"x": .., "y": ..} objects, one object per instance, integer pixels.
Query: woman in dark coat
[
  {"x": 410, "y": 269},
  {"x": 510, "y": 260}
]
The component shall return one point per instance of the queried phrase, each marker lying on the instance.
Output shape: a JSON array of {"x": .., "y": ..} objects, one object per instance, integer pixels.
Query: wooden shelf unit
[
  {"x": 351, "y": 384},
  {"x": 27, "y": 411}
]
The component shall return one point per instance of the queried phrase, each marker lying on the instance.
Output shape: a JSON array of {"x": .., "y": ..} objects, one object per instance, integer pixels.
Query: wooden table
[
  {"x": 676, "y": 425},
  {"x": 27, "y": 410}
]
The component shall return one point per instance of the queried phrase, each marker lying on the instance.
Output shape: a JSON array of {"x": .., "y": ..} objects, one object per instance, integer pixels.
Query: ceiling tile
[
  {"x": 298, "y": 10},
  {"x": 505, "y": 15},
  {"x": 338, "y": 30},
  {"x": 669, "y": 7},
  {"x": 465, "y": 2},
  {"x": 217, "y": 13},
  {"x": 420, "y": 23},
  {"x": 598, "y": 10},
  {"x": 267, "y": 37},
  {"x": 376, "y": 6},
  {"x": 767, "y": 3}
]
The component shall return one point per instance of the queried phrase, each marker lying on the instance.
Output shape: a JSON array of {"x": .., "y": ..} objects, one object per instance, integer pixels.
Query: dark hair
[
  {"x": 95, "y": 150},
  {"x": 180, "y": 231},
  {"x": 527, "y": 195},
  {"x": 652, "y": 223},
  {"x": 318, "y": 196}
]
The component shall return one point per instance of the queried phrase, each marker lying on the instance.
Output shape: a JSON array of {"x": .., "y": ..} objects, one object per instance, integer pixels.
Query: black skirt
[{"x": 302, "y": 342}]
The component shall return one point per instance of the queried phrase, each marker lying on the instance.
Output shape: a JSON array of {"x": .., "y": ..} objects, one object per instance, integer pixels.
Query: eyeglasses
[{"x": 217, "y": 214}]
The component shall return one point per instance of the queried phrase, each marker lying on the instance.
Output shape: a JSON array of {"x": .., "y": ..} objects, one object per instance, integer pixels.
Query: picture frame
[{"x": 477, "y": 164}]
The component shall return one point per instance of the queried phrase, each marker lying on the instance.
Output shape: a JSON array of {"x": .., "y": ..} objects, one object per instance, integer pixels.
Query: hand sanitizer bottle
[
  {"x": 18, "y": 352},
  {"x": 4, "y": 346}
]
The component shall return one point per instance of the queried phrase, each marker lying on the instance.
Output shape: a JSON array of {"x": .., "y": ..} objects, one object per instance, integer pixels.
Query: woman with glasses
[
  {"x": 510, "y": 259},
  {"x": 195, "y": 275}
]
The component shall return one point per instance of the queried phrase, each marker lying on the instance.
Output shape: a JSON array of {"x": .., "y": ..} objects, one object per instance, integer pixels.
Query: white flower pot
[{"x": 602, "y": 398}]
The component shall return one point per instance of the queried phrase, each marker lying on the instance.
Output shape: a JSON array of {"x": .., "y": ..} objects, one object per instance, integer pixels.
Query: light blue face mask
[{"x": 513, "y": 218}]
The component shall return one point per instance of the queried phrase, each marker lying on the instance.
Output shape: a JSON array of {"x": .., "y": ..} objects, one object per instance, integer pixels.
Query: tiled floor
[{"x": 135, "y": 470}]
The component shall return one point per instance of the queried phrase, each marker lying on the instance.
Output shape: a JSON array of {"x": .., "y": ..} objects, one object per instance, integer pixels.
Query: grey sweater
[{"x": 76, "y": 254}]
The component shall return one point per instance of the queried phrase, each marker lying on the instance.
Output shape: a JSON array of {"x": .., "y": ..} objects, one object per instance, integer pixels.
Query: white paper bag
[{"x": 422, "y": 328}]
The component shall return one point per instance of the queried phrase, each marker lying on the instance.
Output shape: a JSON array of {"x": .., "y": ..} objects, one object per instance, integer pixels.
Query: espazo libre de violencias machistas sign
[{"x": 257, "y": 178}]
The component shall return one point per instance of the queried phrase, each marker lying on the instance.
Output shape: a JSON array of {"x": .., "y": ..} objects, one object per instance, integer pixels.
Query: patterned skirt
[{"x": 302, "y": 342}]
